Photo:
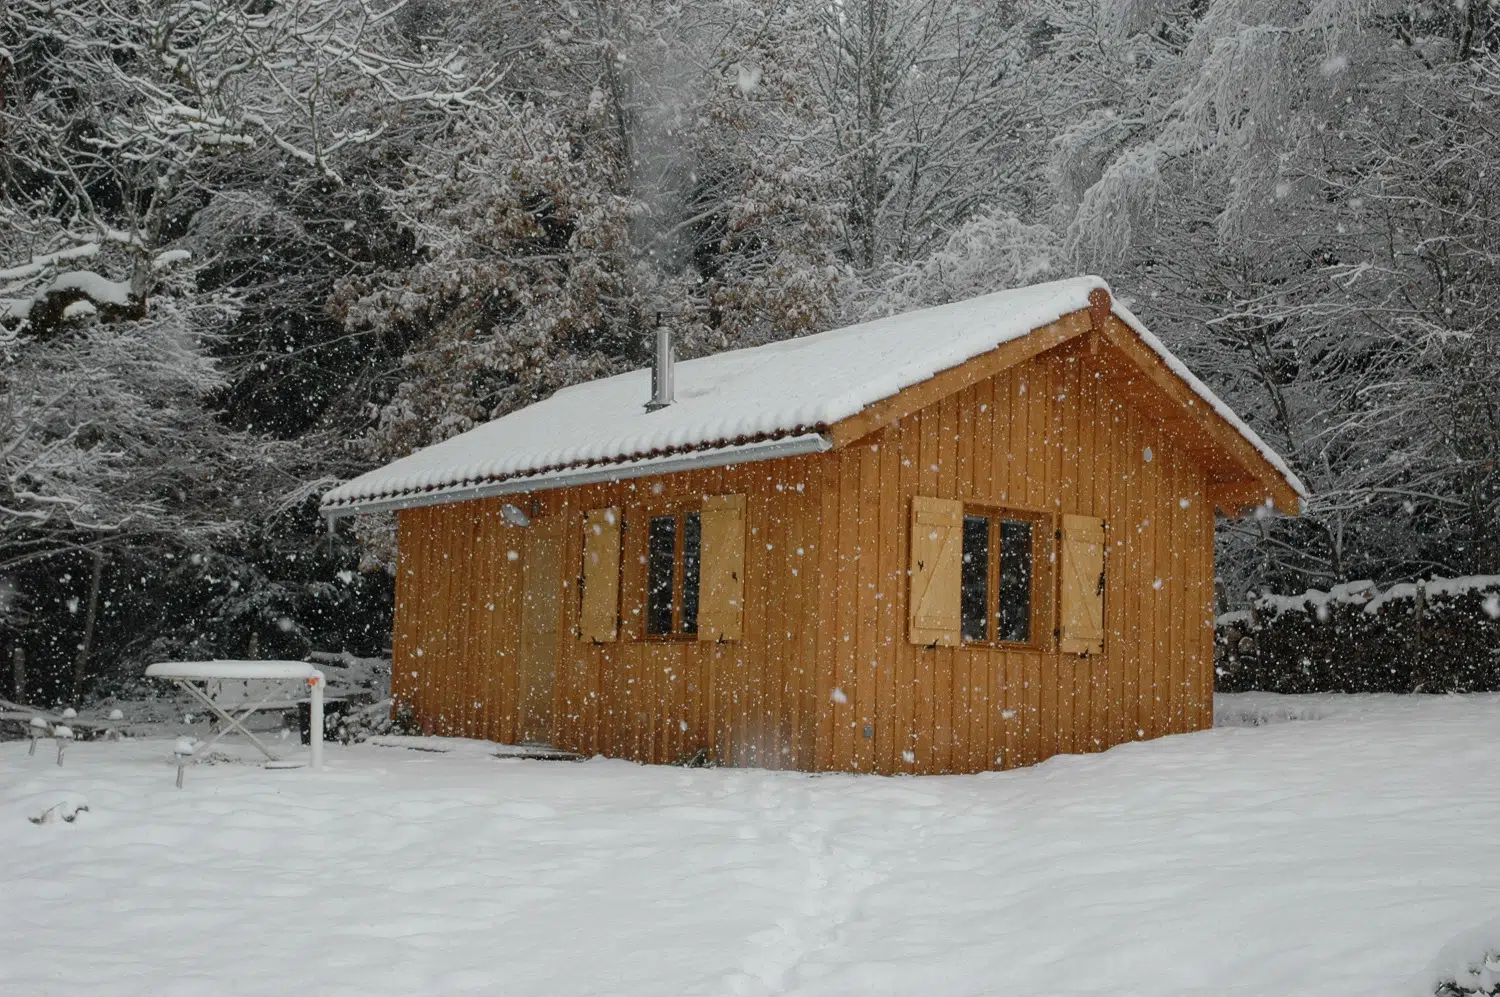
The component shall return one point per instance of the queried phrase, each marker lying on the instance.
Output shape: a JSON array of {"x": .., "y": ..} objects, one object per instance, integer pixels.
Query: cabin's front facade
[{"x": 1006, "y": 560}]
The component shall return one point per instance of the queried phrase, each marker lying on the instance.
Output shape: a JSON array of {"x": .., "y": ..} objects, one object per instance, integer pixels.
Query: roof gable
[
  {"x": 795, "y": 396},
  {"x": 1248, "y": 474}
]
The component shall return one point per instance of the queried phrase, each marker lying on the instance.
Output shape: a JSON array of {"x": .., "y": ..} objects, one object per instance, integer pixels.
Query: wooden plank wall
[
  {"x": 1054, "y": 435},
  {"x": 747, "y": 702},
  {"x": 825, "y": 654},
  {"x": 458, "y": 620}
]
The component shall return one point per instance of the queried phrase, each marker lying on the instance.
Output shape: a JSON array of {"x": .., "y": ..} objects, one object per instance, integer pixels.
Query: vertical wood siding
[{"x": 824, "y": 661}]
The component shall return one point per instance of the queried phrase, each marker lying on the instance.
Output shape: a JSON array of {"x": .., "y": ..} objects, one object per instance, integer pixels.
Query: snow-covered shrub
[
  {"x": 1482, "y": 978},
  {"x": 360, "y": 724},
  {"x": 1440, "y": 635}
]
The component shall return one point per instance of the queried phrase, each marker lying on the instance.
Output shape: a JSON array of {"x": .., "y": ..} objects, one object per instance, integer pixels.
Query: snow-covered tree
[
  {"x": 642, "y": 165},
  {"x": 925, "y": 114},
  {"x": 140, "y": 146},
  {"x": 1288, "y": 184},
  {"x": 118, "y": 114},
  {"x": 127, "y": 129}
]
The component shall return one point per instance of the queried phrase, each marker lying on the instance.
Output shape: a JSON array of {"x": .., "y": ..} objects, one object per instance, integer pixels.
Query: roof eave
[{"x": 586, "y": 474}]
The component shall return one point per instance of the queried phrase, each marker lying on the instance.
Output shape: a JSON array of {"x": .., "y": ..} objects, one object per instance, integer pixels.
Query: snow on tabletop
[
  {"x": 231, "y": 670},
  {"x": 1340, "y": 855},
  {"x": 791, "y": 387}
]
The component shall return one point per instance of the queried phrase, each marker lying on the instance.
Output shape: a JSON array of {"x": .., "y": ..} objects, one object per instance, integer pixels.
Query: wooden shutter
[
  {"x": 1081, "y": 614},
  {"x": 721, "y": 578},
  {"x": 599, "y": 612},
  {"x": 936, "y": 557}
]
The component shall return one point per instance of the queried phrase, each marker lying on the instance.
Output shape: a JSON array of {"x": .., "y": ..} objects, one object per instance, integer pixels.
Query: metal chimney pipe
[{"x": 661, "y": 370}]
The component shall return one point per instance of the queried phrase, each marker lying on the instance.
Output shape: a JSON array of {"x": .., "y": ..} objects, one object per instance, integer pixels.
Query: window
[
  {"x": 995, "y": 578},
  {"x": 673, "y": 555},
  {"x": 686, "y": 569}
]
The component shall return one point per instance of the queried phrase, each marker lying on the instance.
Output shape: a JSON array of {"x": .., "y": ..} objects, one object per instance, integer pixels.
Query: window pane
[
  {"x": 661, "y": 553},
  {"x": 975, "y": 578},
  {"x": 692, "y": 533},
  {"x": 1015, "y": 581}
]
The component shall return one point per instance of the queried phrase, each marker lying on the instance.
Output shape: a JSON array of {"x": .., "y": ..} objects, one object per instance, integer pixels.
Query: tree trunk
[
  {"x": 5, "y": 70},
  {"x": 91, "y": 617},
  {"x": 18, "y": 672}
]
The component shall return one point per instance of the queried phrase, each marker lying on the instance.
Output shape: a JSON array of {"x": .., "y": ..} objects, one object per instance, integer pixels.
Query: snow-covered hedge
[{"x": 1439, "y": 635}]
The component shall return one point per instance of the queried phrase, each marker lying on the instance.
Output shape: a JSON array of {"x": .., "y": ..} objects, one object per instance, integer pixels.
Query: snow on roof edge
[{"x": 789, "y": 444}]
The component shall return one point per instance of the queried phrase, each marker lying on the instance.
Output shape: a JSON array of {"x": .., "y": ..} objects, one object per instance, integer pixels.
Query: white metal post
[{"x": 315, "y": 720}]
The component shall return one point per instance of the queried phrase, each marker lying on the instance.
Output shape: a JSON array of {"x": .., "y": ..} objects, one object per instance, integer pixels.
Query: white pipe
[
  {"x": 315, "y": 720},
  {"x": 662, "y": 393}
]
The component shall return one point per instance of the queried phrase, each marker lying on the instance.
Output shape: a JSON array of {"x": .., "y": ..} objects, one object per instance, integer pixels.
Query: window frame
[
  {"x": 645, "y": 514},
  {"x": 1041, "y": 529}
]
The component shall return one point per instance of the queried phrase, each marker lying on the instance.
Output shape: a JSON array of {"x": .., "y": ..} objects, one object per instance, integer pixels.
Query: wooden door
[{"x": 540, "y": 605}]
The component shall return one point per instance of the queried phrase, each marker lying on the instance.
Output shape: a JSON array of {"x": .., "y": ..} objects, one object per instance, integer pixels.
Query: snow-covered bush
[
  {"x": 1482, "y": 979},
  {"x": 362, "y": 723},
  {"x": 1439, "y": 635}
]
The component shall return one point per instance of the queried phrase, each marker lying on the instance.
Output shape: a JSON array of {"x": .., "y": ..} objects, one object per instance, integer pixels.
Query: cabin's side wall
[
  {"x": 458, "y": 619},
  {"x": 1054, "y": 435},
  {"x": 749, "y": 702}
]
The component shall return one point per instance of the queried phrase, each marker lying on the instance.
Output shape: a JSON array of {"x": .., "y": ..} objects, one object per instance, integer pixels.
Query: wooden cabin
[{"x": 963, "y": 538}]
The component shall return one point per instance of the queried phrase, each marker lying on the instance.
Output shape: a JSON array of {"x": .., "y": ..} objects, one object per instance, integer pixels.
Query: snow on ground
[{"x": 1340, "y": 853}]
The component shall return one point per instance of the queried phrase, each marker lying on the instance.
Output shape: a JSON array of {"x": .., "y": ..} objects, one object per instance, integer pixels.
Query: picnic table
[{"x": 204, "y": 679}]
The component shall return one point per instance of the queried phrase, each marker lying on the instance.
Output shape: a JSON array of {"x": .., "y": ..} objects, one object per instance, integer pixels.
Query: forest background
[{"x": 249, "y": 248}]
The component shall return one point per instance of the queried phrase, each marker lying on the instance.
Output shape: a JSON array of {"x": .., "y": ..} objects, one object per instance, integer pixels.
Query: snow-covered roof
[{"x": 742, "y": 405}]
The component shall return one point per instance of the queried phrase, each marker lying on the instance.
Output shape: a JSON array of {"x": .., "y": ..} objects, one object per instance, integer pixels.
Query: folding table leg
[
  {"x": 231, "y": 722},
  {"x": 315, "y": 720}
]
